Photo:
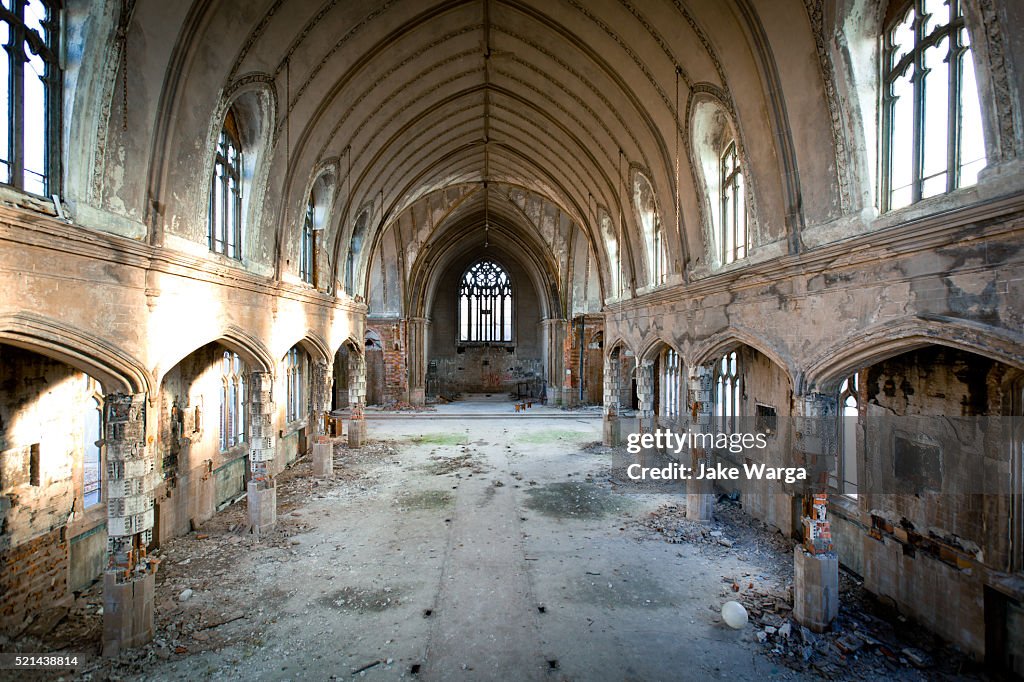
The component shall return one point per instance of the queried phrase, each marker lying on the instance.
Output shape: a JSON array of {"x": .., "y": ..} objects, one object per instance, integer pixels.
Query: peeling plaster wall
[
  {"x": 189, "y": 444},
  {"x": 954, "y": 278},
  {"x": 42, "y": 407},
  {"x": 945, "y": 537}
]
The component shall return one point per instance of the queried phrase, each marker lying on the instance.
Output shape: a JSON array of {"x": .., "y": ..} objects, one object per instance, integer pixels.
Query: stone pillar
[
  {"x": 554, "y": 337},
  {"x": 128, "y": 582},
  {"x": 612, "y": 436},
  {"x": 356, "y": 399},
  {"x": 321, "y": 452},
  {"x": 816, "y": 567},
  {"x": 646, "y": 420},
  {"x": 419, "y": 332},
  {"x": 700, "y": 500},
  {"x": 262, "y": 488}
]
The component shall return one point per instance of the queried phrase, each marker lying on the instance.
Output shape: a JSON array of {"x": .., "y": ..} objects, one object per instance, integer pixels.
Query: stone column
[
  {"x": 262, "y": 488},
  {"x": 816, "y": 566},
  {"x": 419, "y": 330},
  {"x": 356, "y": 399},
  {"x": 700, "y": 501},
  {"x": 554, "y": 336},
  {"x": 128, "y": 582},
  {"x": 646, "y": 419},
  {"x": 322, "y": 453},
  {"x": 612, "y": 391}
]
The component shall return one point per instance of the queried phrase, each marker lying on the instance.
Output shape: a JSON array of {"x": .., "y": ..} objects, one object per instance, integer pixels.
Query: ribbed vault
[{"x": 405, "y": 98}]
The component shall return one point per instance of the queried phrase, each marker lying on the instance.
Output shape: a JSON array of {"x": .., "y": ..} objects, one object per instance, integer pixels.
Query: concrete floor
[{"x": 516, "y": 562}]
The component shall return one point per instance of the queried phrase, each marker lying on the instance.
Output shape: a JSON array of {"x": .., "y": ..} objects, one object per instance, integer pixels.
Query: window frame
[
  {"x": 93, "y": 403},
  {"x": 732, "y": 190},
  {"x": 21, "y": 39},
  {"x": 295, "y": 382},
  {"x": 225, "y": 238},
  {"x": 472, "y": 335},
  {"x": 232, "y": 401},
  {"x": 307, "y": 245},
  {"x": 728, "y": 374},
  {"x": 891, "y": 73},
  {"x": 839, "y": 480},
  {"x": 672, "y": 384}
]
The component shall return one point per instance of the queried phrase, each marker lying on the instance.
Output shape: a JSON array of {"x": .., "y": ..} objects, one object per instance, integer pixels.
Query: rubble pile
[
  {"x": 868, "y": 640},
  {"x": 199, "y": 587},
  {"x": 403, "y": 406},
  {"x": 670, "y": 523}
]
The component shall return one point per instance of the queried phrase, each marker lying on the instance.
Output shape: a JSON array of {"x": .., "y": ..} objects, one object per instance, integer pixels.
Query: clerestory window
[
  {"x": 931, "y": 116},
  {"x": 224, "y": 230},
  {"x": 307, "y": 247},
  {"x": 733, "y": 210},
  {"x": 30, "y": 81}
]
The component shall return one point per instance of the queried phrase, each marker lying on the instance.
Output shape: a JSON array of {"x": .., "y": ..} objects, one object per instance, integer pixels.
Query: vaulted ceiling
[{"x": 563, "y": 98}]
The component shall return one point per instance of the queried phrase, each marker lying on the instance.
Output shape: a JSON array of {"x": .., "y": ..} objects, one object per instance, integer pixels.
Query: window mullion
[
  {"x": 955, "y": 60},
  {"x": 917, "y": 166},
  {"x": 18, "y": 60}
]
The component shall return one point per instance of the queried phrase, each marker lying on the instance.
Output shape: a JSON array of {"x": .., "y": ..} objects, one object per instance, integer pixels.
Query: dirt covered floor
[{"x": 483, "y": 549}]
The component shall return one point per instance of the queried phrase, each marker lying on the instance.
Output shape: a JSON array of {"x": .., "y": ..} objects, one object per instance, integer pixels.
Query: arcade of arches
[{"x": 221, "y": 221}]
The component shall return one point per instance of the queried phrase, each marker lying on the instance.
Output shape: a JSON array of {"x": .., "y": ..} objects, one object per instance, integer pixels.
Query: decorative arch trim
[
  {"x": 726, "y": 340},
  {"x": 617, "y": 344},
  {"x": 888, "y": 340},
  {"x": 315, "y": 345},
  {"x": 251, "y": 349},
  {"x": 654, "y": 345},
  {"x": 111, "y": 366}
]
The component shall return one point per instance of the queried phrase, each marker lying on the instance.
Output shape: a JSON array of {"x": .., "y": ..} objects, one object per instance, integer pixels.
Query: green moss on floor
[
  {"x": 440, "y": 439},
  {"x": 553, "y": 436}
]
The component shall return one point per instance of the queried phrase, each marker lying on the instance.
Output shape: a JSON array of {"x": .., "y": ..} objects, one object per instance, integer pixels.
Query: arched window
[
  {"x": 611, "y": 243},
  {"x": 307, "y": 247},
  {"x": 485, "y": 303},
  {"x": 355, "y": 248},
  {"x": 314, "y": 220},
  {"x": 92, "y": 461},
  {"x": 30, "y": 79},
  {"x": 232, "y": 401},
  {"x": 670, "y": 383},
  {"x": 844, "y": 475},
  {"x": 716, "y": 150},
  {"x": 931, "y": 116},
  {"x": 224, "y": 230},
  {"x": 728, "y": 382},
  {"x": 733, "y": 212},
  {"x": 295, "y": 363},
  {"x": 650, "y": 224}
]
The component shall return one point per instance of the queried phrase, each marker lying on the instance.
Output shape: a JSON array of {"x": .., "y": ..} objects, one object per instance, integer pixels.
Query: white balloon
[{"x": 734, "y": 615}]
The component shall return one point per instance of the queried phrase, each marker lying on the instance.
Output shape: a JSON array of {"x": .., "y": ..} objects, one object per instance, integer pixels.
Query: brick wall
[
  {"x": 395, "y": 375},
  {"x": 34, "y": 577},
  {"x": 593, "y": 360}
]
